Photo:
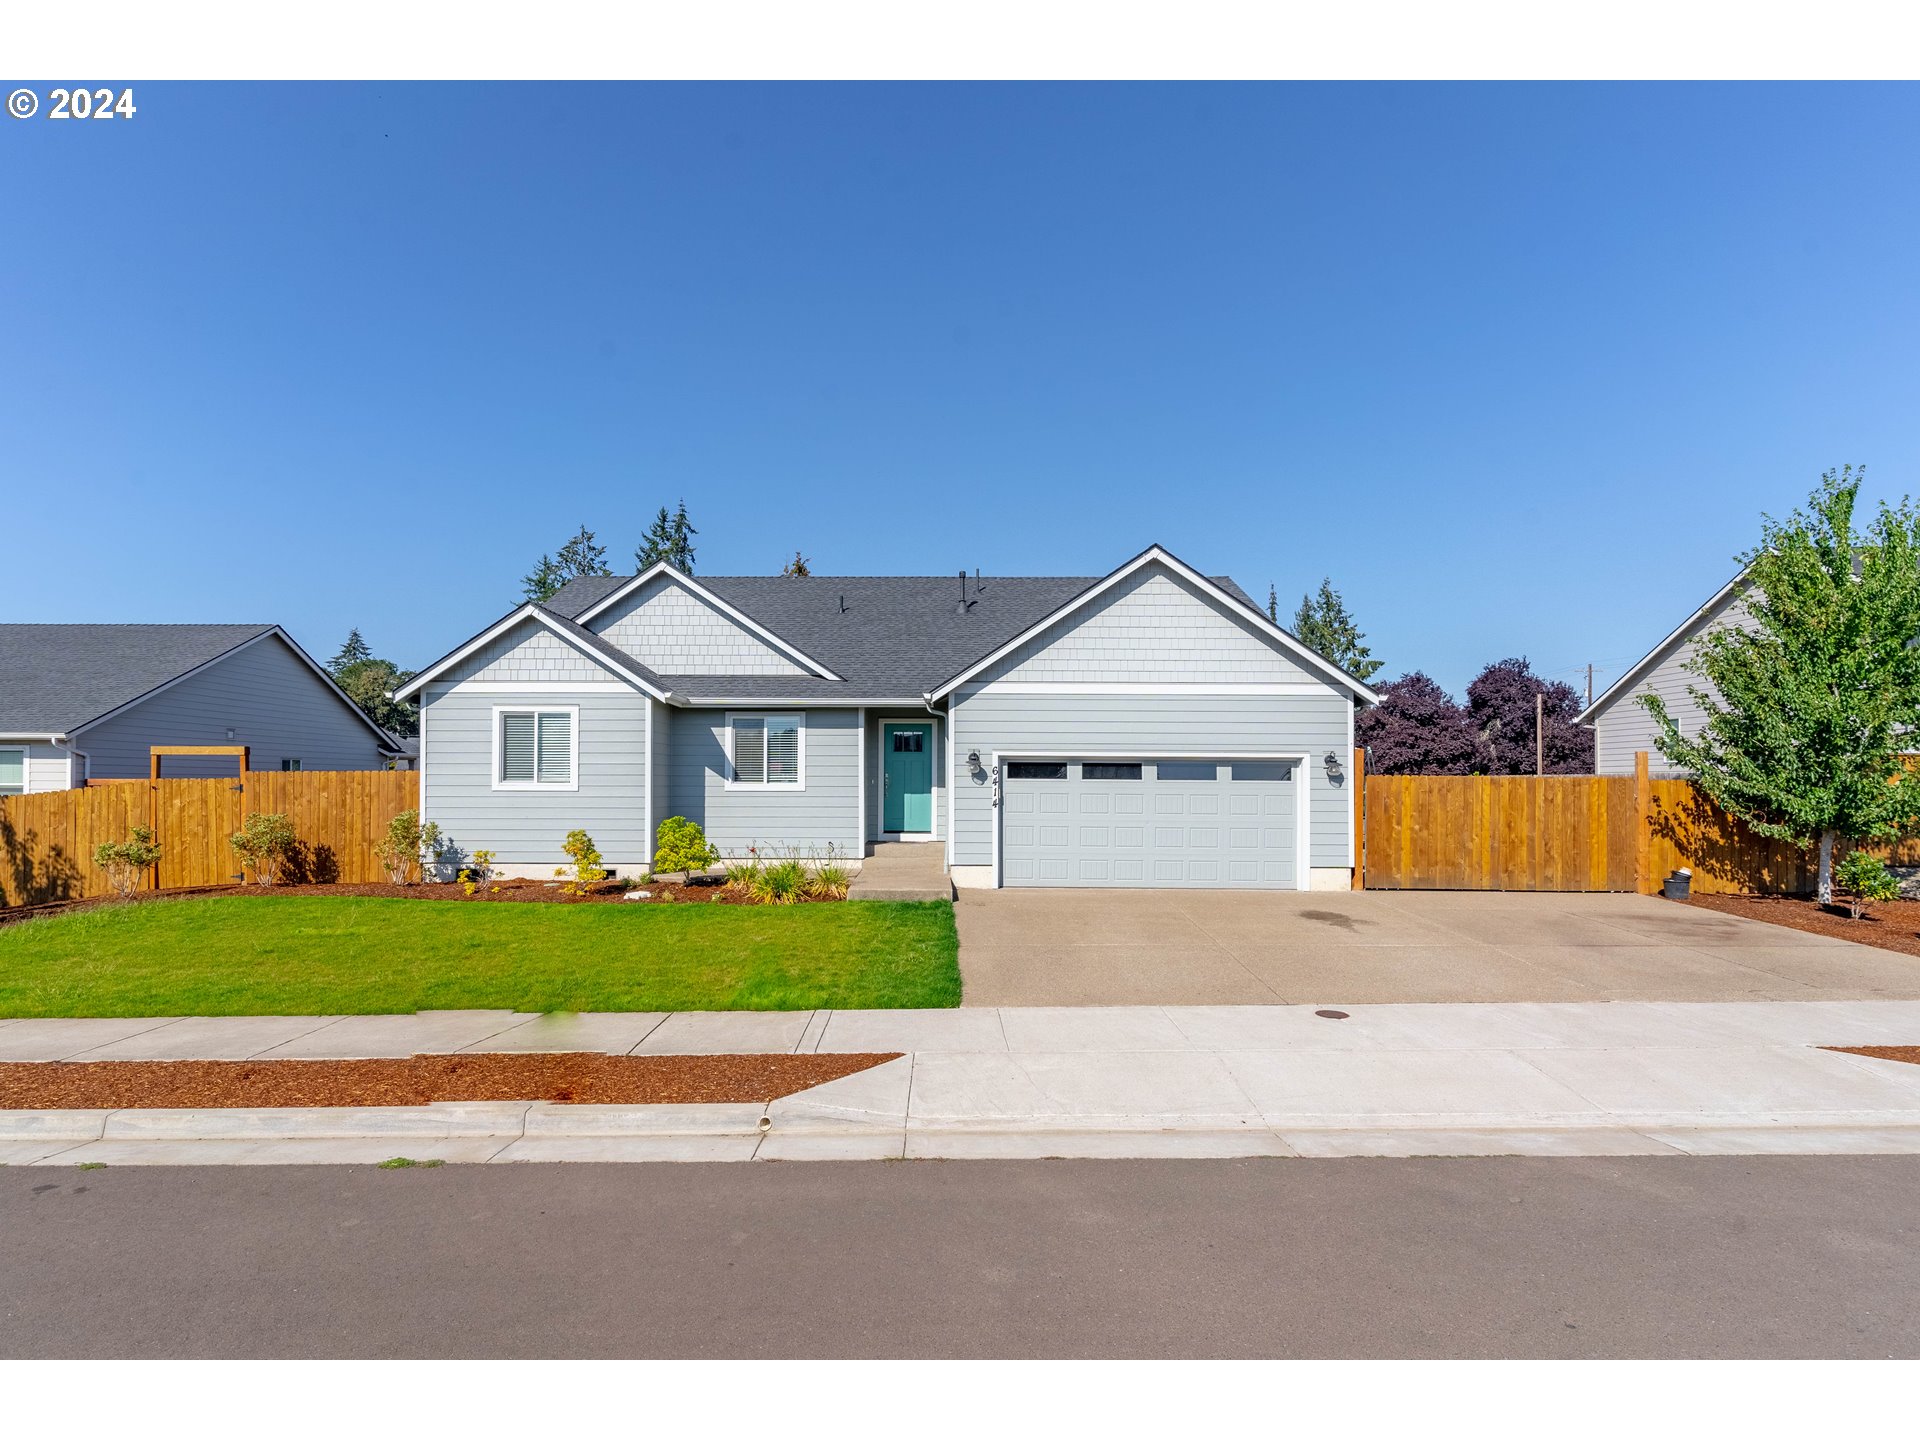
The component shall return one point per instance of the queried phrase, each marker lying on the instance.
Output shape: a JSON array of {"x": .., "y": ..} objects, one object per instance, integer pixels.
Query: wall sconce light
[
  {"x": 973, "y": 763},
  {"x": 1335, "y": 771}
]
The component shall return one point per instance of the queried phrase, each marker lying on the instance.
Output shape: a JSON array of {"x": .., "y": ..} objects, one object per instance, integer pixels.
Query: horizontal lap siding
[
  {"x": 265, "y": 694},
  {"x": 826, "y": 811},
  {"x": 1625, "y": 726},
  {"x": 1146, "y": 726},
  {"x": 527, "y": 827}
]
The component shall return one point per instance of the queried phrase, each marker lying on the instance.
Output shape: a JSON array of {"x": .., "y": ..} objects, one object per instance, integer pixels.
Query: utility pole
[
  {"x": 1540, "y": 733},
  {"x": 1589, "y": 684}
]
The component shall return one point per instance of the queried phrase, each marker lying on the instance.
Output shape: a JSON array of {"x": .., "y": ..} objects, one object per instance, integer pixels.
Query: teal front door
[{"x": 906, "y": 777}]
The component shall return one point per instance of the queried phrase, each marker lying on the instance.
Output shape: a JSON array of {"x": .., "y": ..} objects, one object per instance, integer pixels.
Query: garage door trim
[{"x": 1302, "y": 807}]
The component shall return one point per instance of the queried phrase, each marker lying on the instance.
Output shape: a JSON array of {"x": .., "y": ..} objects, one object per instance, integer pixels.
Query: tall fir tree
[
  {"x": 669, "y": 538},
  {"x": 1810, "y": 703},
  {"x": 351, "y": 653},
  {"x": 582, "y": 555},
  {"x": 1273, "y": 604},
  {"x": 1323, "y": 623}
]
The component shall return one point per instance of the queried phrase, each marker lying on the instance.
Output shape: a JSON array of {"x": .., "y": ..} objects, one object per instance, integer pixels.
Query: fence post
[
  {"x": 1642, "y": 824},
  {"x": 1359, "y": 818}
]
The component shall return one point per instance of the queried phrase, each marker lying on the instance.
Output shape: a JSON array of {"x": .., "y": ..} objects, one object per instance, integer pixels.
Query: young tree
[
  {"x": 1416, "y": 729},
  {"x": 351, "y": 653},
  {"x": 1810, "y": 703},
  {"x": 579, "y": 556},
  {"x": 797, "y": 568},
  {"x": 1323, "y": 623},
  {"x": 1500, "y": 710}
]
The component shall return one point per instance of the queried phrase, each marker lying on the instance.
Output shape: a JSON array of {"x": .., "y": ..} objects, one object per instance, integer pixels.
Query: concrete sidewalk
[{"x": 1549, "y": 1079}]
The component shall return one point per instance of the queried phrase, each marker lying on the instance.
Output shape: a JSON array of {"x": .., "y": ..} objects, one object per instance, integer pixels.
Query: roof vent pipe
[
  {"x": 843, "y": 604},
  {"x": 963, "y": 594}
]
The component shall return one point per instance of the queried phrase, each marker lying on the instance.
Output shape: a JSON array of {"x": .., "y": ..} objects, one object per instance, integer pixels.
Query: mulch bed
[
  {"x": 1910, "y": 1054},
  {"x": 1888, "y": 924},
  {"x": 706, "y": 891},
  {"x": 568, "y": 1079}
]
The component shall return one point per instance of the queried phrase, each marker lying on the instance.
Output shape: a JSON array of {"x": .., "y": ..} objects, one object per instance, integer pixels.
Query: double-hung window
[
  {"x": 766, "y": 750},
  {"x": 536, "y": 749},
  {"x": 13, "y": 770}
]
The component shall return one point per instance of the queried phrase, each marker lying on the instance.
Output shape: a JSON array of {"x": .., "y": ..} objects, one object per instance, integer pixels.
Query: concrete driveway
[{"x": 1234, "y": 947}]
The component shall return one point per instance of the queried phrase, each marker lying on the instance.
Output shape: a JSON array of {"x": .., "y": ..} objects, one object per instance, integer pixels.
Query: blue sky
[{"x": 1518, "y": 366}]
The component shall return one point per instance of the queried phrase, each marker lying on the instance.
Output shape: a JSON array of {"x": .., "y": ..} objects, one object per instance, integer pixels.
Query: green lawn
[{"x": 301, "y": 955}]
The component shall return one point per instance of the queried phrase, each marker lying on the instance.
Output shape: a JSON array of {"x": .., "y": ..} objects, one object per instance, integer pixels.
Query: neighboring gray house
[
  {"x": 81, "y": 702},
  {"x": 1622, "y": 725},
  {"x": 1149, "y": 728}
]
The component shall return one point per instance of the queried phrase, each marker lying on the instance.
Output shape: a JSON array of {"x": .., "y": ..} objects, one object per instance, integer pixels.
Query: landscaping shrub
[
  {"x": 264, "y": 843},
  {"x": 123, "y": 860},
  {"x": 781, "y": 882},
  {"x": 587, "y": 870},
  {"x": 680, "y": 844},
  {"x": 1862, "y": 877},
  {"x": 477, "y": 872},
  {"x": 405, "y": 851},
  {"x": 829, "y": 881}
]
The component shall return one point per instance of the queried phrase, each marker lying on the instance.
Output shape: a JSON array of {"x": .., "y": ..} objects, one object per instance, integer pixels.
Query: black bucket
[{"x": 1678, "y": 885}]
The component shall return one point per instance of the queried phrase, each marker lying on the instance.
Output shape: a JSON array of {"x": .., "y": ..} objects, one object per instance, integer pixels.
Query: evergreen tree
[
  {"x": 1273, "y": 604},
  {"x": 540, "y": 584},
  {"x": 797, "y": 568},
  {"x": 1810, "y": 703},
  {"x": 669, "y": 538},
  {"x": 351, "y": 653},
  {"x": 1323, "y": 623},
  {"x": 579, "y": 556}
]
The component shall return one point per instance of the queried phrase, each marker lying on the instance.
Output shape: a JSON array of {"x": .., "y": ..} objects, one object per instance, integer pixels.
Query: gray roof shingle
[
  {"x": 900, "y": 635},
  {"x": 55, "y": 678}
]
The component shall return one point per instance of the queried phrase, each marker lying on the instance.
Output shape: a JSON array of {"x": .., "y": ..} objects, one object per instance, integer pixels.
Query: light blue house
[{"x": 1149, "y": 728}]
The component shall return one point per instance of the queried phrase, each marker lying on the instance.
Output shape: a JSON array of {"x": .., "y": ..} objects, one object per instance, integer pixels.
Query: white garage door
[{"x": 1188, "y": 824}]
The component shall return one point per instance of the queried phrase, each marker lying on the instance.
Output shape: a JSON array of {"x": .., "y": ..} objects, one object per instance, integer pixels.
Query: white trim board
[
  {"x": 1302, "y": 795},
  {"x": 1170, "y": 687},
  {"x": 441, "y": 690},
  {"x": 1152, "y": 555},
  {"x": 739, "y": 617},
  {"x": 532, "y": 612}
]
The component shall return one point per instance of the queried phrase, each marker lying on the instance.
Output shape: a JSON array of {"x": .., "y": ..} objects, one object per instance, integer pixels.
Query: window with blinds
[
  {"x": 536, "y": 747},
  {"x": 766, "y": 749}
]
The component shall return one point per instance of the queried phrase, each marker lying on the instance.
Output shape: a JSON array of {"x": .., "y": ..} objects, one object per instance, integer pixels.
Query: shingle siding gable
[{"x": 669, "y": 629}]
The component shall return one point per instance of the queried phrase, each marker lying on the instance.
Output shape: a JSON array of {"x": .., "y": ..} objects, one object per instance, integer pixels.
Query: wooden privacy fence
[
  {"x": 1568, "y": 832},
  {"x": 338, "y": 816}
]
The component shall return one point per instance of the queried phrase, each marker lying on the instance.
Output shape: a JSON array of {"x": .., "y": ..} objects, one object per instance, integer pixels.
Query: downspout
[{"x": 953, "y": 788}]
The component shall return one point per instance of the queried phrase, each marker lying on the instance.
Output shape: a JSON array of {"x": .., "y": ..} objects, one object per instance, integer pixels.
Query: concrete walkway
[
  {"x": 1245, "y": 947},
  {"x": 1546, "y": 1079}
]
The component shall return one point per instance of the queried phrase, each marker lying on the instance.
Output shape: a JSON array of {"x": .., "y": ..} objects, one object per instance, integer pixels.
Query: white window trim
[
  {"x": 573, "y": 747},
  {"x": 799, "y": 718},
  {"x": 26, "y": 774}
]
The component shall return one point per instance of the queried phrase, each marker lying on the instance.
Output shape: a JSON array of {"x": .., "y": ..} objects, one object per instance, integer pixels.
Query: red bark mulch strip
[
  {"x": 569, "y": 1079},
  {"x": 1910, "y": 1054},
  {"x": 1888, "y": 924}
]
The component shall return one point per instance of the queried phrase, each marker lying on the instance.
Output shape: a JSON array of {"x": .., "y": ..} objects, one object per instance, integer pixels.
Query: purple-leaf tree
[
  {"x": 1500, "y": 712},
  {"x": 1416, "y": 729}
]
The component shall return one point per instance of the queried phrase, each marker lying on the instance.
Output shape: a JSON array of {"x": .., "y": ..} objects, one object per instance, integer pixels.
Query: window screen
[
  {"x": 1109, "y": 771},
  {"x": 766, "y": 749},
  {"x": 1036, "y": 770},
  {"x": 1186, "y": 769}
]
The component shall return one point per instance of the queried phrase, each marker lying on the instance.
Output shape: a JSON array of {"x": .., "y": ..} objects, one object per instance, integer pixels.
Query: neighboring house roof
[
  {"x": 870, "y": 638},
  {"x": 1634, "y": 673},
  {"x": 59, "y": 679}
]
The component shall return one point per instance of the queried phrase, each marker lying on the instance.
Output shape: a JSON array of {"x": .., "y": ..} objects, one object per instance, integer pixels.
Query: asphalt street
[{"x": 1770, "y": 1256}]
